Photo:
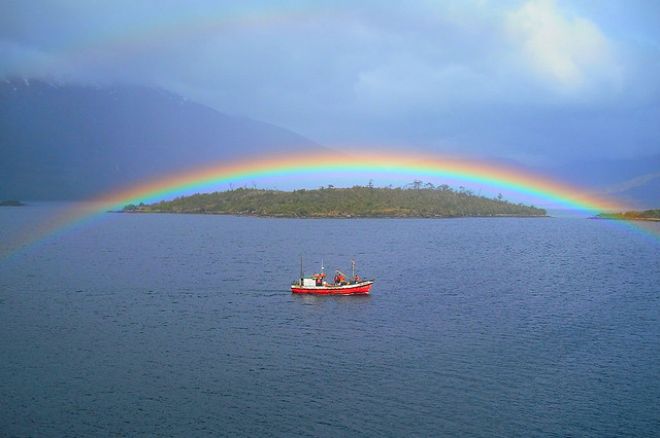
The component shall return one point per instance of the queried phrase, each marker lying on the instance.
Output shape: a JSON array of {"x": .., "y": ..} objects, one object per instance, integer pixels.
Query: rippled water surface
[{"x": 184, "y": 325}]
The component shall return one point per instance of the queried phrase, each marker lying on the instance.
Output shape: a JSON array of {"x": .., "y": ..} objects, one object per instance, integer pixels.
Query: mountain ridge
[{"x": 70, "y": 142}]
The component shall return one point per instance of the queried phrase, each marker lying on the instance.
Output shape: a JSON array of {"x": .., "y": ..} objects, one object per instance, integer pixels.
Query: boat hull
[{"x": 361, "y": 288}]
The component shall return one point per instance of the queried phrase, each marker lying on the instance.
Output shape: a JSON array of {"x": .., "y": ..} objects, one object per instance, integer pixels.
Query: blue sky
[{"x": 539, "y": 82}]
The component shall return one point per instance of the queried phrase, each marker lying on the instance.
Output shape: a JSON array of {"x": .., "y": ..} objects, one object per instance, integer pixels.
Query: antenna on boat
[
  {"x": 353, "y": 265},
  {"x": 301, "y": 270},
  {"x": 322, "y": 267}
]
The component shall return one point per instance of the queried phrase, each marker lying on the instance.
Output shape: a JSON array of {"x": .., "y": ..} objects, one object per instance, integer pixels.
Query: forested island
[
  {"x": 646, "y": 215},
  {"x": 417, "y": 200}
]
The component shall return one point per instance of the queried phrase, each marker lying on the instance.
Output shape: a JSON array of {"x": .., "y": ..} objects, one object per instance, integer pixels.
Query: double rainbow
[{"x": 134, "y": 38}]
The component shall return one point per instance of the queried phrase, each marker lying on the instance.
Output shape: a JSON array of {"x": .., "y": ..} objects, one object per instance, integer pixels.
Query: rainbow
[
  {"x": 497, "y": 176},
  {"x": 134, "y": 39},
  {"x": 215, "y": 177}
]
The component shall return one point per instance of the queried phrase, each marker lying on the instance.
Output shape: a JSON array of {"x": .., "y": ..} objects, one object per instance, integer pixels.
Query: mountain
[{"x": 66, "y": 141}]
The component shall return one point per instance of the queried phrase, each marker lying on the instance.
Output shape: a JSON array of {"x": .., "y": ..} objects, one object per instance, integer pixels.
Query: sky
[{"x": 538, "y": 82}]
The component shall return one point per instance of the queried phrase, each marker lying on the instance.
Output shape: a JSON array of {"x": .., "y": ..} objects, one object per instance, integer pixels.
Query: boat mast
[
  {"x": 353, "y": 264},
  {"x": 301, "y": 270}
]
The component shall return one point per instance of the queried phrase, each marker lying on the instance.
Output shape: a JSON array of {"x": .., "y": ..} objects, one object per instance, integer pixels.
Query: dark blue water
[{"x": 184, "y": 325}]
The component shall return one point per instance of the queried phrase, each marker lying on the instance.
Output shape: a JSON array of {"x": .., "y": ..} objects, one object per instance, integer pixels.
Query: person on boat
[
  {"x": 339, "y": 278},
  {"x": 319, "y": 278}
]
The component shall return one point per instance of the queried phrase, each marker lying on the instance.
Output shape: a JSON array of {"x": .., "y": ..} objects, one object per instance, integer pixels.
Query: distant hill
[
  {"x": 633, "y": 181},
  {"x": 61, "y": 142},
  {"x": 357, "y": 201},
  {"x": 11, "y": 203}
]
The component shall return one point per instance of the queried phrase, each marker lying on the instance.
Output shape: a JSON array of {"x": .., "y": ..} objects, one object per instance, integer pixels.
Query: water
[{"x": 184, "y": 325}]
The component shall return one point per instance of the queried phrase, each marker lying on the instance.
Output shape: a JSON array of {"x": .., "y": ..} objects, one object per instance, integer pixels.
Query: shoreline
[
  {"x": 627, "y": 219},
  {"x": 272, "y": 216}
]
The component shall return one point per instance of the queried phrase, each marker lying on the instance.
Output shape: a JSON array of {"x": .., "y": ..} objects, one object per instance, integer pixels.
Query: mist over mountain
[
  {"x": 635, "y": 181},
  {"x": 66, "y": 141}
]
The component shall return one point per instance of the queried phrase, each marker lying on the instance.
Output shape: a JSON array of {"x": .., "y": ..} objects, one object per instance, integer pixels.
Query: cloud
[
  {"x": 523, "y": 78},
  {"x": 633, "y": 183},
  {"x": 20, "y": 60},
  {"x": 569, "y": 52},
  {"x": 410, "y": 83}
]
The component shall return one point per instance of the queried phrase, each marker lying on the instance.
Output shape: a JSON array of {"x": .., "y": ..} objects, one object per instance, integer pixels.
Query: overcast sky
[{"x": 538, "y": 81}]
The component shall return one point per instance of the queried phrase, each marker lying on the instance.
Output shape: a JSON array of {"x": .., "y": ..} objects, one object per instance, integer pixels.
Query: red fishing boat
[{"x": 317, "y": 284}]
